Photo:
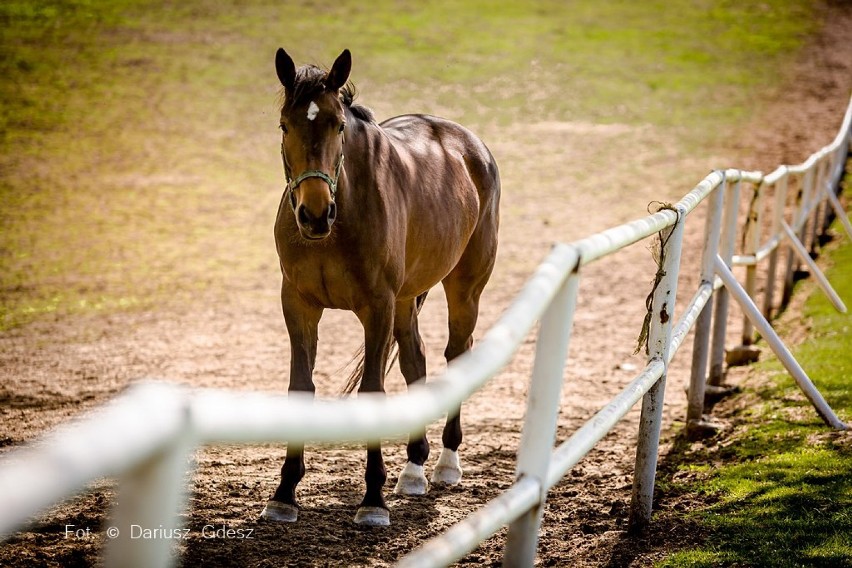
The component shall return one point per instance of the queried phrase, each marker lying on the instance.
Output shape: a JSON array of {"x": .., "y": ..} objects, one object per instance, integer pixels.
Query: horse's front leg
[
  {"x": 302, "y": 321},
  {"x": 378, "y": 323}
]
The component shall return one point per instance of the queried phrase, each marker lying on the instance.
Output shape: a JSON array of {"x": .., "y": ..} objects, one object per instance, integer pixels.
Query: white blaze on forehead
[{"x": 313, "y": 110}]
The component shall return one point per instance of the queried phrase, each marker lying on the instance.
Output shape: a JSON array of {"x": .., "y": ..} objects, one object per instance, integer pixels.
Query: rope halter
[{"x": 292, "y": 183}]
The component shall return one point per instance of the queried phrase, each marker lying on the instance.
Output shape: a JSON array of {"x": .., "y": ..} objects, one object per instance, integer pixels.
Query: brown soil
[{"x": 55, "y": 370}]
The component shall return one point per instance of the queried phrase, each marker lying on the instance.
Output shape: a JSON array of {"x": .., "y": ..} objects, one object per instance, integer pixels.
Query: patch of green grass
[
  {"x": 784, "y": 479},
  {"x": 138, "y": 141},
  {"x": 653, "y": 62}
]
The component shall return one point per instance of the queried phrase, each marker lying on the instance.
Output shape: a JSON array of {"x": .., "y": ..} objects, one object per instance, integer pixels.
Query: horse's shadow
[{"x": 324, "y": 535}]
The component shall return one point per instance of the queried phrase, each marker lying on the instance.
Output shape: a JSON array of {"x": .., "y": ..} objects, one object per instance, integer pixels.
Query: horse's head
[{"x": 312, "y": 123}]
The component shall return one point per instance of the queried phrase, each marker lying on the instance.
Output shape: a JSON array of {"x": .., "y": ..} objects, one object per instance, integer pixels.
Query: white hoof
[
  {"x": 372, "y": 517},
  {"x": 412, "y": 481},
  {"x": 279, "y": 512},
  {"x": 448, "y": 470}
]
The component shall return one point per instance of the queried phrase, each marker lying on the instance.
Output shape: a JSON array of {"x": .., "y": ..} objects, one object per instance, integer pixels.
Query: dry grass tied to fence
[{"x": 659, "y": 259}]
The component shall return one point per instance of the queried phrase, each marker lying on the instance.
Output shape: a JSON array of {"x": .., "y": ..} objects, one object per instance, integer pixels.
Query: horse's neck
[{"x": 362, "y": 148}]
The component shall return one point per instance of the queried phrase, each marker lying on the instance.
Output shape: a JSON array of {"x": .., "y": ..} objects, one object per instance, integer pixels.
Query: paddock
[{"x": 237, "y": 344}]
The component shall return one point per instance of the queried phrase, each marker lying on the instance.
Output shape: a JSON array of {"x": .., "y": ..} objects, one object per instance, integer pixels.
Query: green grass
[
  {"x": 138, "y": 144},
  {"x": 783, "y": 480}
]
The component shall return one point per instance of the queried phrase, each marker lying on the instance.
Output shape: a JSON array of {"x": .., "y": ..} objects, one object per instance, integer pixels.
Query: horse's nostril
[
  {"x": 304, "y": 216},
  {"x": 332, "y": 213}
]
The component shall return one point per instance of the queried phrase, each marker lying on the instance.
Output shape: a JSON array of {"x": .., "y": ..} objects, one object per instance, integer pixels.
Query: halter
[{"x": 292, "y": 184}]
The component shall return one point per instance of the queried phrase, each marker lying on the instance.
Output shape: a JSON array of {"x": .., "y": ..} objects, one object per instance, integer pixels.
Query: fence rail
[{"x": 150, "y": 463}]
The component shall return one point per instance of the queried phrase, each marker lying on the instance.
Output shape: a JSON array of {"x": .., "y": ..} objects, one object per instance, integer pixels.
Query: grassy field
[
  {"x": 782, "y": 479},
  {"x": 138, "y": 142}
]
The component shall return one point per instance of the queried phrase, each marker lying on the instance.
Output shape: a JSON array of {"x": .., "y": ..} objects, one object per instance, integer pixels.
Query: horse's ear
[
  {"x": 285, "y": 68},
  {"x": 339, "y": 73}
]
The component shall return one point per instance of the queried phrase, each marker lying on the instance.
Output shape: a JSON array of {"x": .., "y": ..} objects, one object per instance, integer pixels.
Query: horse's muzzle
[{"x": 316, "y": 228}]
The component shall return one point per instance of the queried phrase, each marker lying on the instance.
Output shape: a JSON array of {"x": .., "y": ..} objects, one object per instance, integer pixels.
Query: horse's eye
[
  {"x": 284, "y": 128},
  {"x": 342, "y": 126}
]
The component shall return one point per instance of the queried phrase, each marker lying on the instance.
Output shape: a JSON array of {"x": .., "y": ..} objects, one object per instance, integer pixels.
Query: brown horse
[{"x": 373, "y": 216}]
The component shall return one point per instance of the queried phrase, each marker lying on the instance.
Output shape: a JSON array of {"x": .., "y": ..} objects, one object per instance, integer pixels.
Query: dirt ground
[{"x": 52, "y": 371}]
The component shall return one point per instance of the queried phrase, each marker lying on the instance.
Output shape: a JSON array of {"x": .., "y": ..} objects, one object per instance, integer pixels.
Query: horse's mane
[
  {"x": 347, "y": 95},
  {"x": 310, "y": 81}
]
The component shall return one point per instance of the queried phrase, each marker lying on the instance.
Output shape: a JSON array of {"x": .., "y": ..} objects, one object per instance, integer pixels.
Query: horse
[{"x": 372, "y": 217}]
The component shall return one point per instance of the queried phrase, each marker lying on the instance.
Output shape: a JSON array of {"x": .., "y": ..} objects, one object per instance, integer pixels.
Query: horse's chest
[{"x": 324, "y": 283}]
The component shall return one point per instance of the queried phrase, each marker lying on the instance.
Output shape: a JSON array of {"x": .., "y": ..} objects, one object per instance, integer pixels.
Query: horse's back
[{"x": 424, "y": 137}]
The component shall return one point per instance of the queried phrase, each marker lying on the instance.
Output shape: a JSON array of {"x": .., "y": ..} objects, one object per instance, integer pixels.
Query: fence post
[
  {"x": 829, "y": 189},
  {"x": 832, "y": 190},
  {"x": 695, "y": 425},
  {"x": 751, "y": 241},
  {"x": 811, "y": 180},
  {"x": 659, "y": 341},
  {"x": 798, "y": 225},
  {"x": 150, "y": 496},
  {"x": 817, "y": 218},
  {"x": 720, "y": 319},
  {"x": 543, "y": 403},
  {"x": 777, "y": 216}
]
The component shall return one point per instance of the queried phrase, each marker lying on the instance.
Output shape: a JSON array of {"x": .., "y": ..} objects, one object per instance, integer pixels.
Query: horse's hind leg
[
  {"x": 463, "y": 287},
  {"x": 412, "y": 363}
]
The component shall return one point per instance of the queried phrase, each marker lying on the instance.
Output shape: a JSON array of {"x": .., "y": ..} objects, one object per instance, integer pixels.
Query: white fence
[
  {"x": 818, "y": 178},
  {"x": 150, "y": 462}
]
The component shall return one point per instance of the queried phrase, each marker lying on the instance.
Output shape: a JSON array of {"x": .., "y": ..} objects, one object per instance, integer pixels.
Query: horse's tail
[{"x": 358, "y": 372}]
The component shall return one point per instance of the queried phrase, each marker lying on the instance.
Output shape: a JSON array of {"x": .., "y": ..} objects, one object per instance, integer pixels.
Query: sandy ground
[{"x": 51, "y": 371}]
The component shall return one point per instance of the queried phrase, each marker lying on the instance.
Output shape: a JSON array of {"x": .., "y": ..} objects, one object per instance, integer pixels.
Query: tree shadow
[{"x": 786, "y": 513}]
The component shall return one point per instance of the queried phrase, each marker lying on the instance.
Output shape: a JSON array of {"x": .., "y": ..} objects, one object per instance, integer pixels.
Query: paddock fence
[{"x": 150, "y": 463}]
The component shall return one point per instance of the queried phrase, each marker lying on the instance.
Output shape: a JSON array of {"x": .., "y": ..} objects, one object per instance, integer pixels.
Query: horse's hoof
[
  {"x": 372, "y": 517},
  {"x": 448, "y": 470},
  {"x": 412, "y": 481},
  {"x": 279, "y": 512}
]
